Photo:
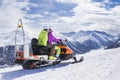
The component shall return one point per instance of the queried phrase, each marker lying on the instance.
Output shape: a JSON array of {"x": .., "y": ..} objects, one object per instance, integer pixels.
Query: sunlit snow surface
[{"x": 98, "y": 65}]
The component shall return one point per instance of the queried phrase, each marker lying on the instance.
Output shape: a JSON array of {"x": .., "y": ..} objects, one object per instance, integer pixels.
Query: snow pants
[{"x": 54, "y": 48}]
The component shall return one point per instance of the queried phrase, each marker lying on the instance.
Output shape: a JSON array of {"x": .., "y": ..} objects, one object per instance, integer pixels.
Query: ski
[
  {"x": 49, "y": 64},
  {"x": 77, "y": 61}
]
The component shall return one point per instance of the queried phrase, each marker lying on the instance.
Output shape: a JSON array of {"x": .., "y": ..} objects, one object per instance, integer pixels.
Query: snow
[
  {"x": 98, "y": 65},
  {"x": 9, "y": 38},
  {"x": 98, "y": 37}
]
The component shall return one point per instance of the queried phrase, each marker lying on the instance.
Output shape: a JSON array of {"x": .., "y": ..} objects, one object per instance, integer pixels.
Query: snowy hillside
[
  {"x": 101, "y": 38},
  {"x": 115, "y": 44},
  {"x": 9, "y": 38},
  {"x": 98, "y": 65},
  {"x": 84, "y": 41}
]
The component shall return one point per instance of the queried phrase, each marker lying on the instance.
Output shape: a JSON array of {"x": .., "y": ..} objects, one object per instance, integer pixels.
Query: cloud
[
  {"x": 91, "y": 12},
  {"x": 62, "y": 15},
  {"x": 10, "y": 12}
]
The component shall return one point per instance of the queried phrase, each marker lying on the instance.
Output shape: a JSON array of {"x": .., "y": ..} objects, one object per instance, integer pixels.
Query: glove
[{"x": 60, "y": 40}]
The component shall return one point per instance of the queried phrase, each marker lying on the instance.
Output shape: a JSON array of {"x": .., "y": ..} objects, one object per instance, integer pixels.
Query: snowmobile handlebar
[{"x": 61, "y": 43}]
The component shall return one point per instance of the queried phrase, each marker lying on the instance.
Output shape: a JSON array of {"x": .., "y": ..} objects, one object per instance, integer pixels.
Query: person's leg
[
  {"x": 58, "y": 51},
  {"x": 52, "y": 52}
]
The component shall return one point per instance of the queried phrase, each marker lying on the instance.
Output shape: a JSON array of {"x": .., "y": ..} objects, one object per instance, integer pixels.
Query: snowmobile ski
[
  {"x": 77, "y": 61},
  {"x": 49, "y": 64}
]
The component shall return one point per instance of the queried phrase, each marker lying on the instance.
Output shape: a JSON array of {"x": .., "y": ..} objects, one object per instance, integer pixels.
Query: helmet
[
  {"x": 50, "y": 29},
  {"x": 45, "y": 27}
]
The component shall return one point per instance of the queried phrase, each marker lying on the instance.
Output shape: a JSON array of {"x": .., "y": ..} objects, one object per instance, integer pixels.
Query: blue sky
[
  {"x": 110, "y": 4},
  {"x": 62, "y": 15}
]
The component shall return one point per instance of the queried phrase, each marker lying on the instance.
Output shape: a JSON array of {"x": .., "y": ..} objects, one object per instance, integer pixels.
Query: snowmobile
[{"x": 36, "y": 56}]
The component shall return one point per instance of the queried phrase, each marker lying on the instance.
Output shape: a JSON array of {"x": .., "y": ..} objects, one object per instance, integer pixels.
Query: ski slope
[{"x": 98, "y": 65}]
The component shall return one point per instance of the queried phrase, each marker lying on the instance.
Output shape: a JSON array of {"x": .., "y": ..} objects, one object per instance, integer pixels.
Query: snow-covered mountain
[
  {"x": 101, "y": 38},
  {"x": 82, "y": 37},
  {"x": 98, "y": 65},
  {"x": 115, "y": 44},
  {"x": 84, "y": 41},
  {"x": 9, "y": 38}
]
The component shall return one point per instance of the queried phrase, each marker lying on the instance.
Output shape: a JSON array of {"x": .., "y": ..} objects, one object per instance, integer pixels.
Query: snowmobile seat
[
  {"x": 43, "y": 50},
  {"x": 38, "y": 50}
]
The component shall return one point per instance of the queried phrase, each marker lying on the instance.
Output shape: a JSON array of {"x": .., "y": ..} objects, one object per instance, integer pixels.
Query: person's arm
[{"x": 54, "y": 39}]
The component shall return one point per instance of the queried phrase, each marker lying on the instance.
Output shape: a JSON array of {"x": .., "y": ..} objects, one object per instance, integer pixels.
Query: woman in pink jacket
[{"x": 52, "y": 39}]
